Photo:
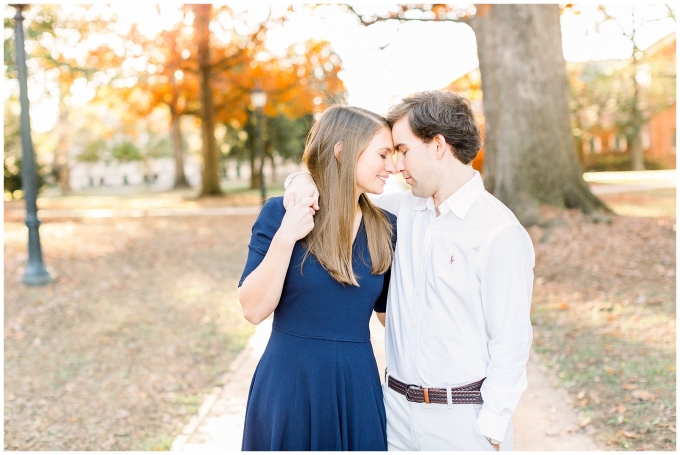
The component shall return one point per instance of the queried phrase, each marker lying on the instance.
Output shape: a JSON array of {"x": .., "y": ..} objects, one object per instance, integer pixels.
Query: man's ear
[
  {"x": 442, "y": 147},
  {"x": 337, "y": 149}
]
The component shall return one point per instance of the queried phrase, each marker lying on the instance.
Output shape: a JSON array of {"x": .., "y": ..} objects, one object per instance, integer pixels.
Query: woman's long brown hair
[{"x": 331, "y": 239}]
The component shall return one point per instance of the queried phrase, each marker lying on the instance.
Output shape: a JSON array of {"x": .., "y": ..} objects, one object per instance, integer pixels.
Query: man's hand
[
  {"x": 495, "y": 444},
  {"x": 301, "y": 187},
  {"x": 381, "y": 318}
]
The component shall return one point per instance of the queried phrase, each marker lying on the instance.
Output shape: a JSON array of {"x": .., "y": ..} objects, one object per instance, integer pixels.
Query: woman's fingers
[
  {"x": 300, "y": 218},
  {"x": 311, "y": 203}
]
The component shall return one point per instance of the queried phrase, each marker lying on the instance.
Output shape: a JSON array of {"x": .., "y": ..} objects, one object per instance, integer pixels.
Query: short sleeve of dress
[
  {"x": 381, "y": 304},
  {"x": 266, "y": 225}
]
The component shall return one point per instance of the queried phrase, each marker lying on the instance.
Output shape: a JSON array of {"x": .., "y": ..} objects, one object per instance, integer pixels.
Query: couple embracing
[{"x": 446, "y": 266}]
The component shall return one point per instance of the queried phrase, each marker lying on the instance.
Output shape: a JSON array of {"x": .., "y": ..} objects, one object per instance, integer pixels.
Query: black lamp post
[
  {"x": 35, "y": 273},
  {"x": 259, "y": 99}
]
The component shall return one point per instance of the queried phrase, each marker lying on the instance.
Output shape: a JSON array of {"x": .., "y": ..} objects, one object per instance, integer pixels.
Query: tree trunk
[
  {"x": 211, "y": 177},
  {"x": 176, "y": 133},
  {"x": 529, "y": 149},
  {"x": 637, "y": 154},
  {"x": 272, "y": 177},
  {"x": 60, "y": 163},
  {"x": 63, "y": 170},
  {"x": 254, "y": 168},
  {"x": 578, "y": 140}
]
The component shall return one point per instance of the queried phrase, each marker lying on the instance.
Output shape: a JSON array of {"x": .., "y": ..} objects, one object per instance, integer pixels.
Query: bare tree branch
[
  {"x": 670, "y": 11},
  {"x": 610, "y": 18},
  {"x": 400, "y": 16}
]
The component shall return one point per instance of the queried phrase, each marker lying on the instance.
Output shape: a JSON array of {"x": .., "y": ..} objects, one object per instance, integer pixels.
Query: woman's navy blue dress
[{"x": 317, "y": 385}]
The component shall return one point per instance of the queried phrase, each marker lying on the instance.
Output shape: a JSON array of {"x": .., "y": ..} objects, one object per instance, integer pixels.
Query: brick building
[{"x": 658, "y": 135}]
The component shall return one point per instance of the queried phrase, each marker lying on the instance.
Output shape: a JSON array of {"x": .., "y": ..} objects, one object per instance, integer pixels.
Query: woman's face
[{"x": 375, "y": 163}]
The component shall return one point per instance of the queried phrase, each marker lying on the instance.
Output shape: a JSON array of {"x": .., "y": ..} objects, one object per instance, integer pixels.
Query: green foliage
[
  {"x": 12, "y": 174},
  {"x": 282, "y": 135},
  {"x": 603, "y": 93},
  {"x": 126, "y": 151},
  {"x": 158, "y": 147},
  {"x": 35, "y": 25},
  {"x": 288, "y": 136},
  {"x": 240, "y": 142},
  {"x": 13, "y": 154},
  {"x": 608, "y": 162},
  {"x": 93, "y": 152}
]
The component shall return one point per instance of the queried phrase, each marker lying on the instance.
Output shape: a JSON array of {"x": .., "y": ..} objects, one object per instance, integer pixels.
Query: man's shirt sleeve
[
  {"x": 506, "y": 287},
  {"x": 390, "y": 202}
]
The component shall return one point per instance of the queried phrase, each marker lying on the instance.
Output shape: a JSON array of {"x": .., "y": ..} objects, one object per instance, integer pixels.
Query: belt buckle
[{"x": 408, "y": 389}]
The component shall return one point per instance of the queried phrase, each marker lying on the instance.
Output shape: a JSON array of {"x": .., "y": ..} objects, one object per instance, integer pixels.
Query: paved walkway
[
  {"x": 543, "y": 420},
  {"x": 136, "y": 213},
  {"x": 630, "y": 181}
]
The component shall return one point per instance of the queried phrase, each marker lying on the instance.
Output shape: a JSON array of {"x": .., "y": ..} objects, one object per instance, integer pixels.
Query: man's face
[{"x": 414, "y": 159}]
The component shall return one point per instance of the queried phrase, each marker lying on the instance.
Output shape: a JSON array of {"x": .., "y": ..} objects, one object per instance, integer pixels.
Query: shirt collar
[
  {"x": 423, "y": 203},
  {"x": 461, "y": 201}
]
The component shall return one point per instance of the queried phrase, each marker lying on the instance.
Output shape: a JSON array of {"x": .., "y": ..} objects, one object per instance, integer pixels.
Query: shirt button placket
[{"x": 419, "y": 297}]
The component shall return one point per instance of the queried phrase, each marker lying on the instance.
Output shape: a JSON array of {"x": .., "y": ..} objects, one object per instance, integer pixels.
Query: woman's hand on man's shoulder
[{"x": 297, "y": 222}]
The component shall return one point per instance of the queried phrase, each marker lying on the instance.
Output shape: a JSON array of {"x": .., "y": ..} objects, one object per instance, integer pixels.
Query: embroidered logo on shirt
[{"x": 451, "y": 260}]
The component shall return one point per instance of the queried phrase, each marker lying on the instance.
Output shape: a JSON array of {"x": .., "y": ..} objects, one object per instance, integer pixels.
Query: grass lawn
[{"x": 653, "y": 203}]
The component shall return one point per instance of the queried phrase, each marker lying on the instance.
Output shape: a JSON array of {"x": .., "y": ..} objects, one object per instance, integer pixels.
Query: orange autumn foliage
[{"x": 297, "y": 83}]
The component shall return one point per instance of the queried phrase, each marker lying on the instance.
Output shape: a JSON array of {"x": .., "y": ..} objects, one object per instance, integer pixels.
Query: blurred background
[{"x": 158, "y": 129}]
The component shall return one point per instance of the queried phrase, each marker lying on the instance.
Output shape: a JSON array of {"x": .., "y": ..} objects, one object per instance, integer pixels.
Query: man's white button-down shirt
[{"x": 459, "y": 299}]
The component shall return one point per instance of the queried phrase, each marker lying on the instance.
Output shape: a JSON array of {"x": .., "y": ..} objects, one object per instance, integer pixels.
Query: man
[{"x": 458, "y": 331}]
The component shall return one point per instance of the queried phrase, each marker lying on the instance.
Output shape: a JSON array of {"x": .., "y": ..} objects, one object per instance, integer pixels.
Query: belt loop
[{"x": 448, "y": 396}]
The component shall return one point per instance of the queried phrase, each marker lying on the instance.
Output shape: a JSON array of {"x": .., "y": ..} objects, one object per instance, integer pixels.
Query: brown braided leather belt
[{"x": 467, "y": 394}]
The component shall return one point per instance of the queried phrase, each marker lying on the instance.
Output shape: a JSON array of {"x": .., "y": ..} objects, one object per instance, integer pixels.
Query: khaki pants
[{"x": 422, "y": 426}]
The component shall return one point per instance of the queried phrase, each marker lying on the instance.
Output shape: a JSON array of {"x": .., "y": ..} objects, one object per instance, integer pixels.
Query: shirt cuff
[
  {"x": 291, "y": 177},
  {"x": 491, "y": 425}
]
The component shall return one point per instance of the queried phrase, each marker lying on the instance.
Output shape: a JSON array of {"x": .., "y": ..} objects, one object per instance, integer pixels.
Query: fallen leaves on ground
[
  {"x": 643, "y": 395},
  {"x": 603, "y": 312},
  {"x": 138, "y": 327}
]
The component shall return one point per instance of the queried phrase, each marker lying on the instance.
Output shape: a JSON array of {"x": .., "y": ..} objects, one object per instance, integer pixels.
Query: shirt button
[{"x": 413, "y": 357}]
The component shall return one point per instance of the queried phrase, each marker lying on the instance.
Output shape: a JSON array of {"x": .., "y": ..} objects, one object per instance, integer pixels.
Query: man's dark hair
[{"x": 439, "y": 112}]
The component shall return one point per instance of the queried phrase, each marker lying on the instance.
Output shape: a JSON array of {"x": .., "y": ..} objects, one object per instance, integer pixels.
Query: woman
[{"x": 317, "y": 385}]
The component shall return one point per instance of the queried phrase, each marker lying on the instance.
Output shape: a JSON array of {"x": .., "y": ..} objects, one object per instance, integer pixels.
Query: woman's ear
[{"x": 337, "y": 149}]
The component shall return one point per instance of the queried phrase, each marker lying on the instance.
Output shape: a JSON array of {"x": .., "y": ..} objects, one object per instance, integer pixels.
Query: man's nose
[
  {"x": 390, "y": 167},
  {"x": 400, "y": 163}
]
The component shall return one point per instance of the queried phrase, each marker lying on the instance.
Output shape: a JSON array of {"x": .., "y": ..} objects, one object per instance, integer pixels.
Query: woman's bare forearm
[{"x": 260, "y": 292}]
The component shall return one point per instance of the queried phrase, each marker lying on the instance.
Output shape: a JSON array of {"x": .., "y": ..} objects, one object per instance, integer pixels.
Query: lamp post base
[{"x": 36, "y": 276}]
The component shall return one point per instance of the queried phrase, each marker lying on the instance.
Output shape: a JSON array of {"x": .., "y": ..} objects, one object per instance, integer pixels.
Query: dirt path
[{"x": 543, "y": 420}]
